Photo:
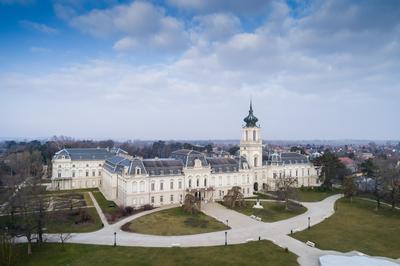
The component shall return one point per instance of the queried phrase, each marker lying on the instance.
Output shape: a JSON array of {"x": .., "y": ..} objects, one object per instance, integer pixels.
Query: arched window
[
  {"x": 134, "y": 187},
  {"x": 198, "y": 182},
  {"x": 137, "y": 170},
  {"x": 142, "y": 186},
  {"x": 205, "y": 182},
  {"x": 171, "y": 184},
  {"x": 255, "y": 161},
  {"x": 247, "y": 135},
  {"x": 190, "y": 183},
  {"x": 254, "y": 135}
]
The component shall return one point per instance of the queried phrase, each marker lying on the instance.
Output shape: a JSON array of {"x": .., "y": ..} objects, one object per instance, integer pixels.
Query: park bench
[{"x": 311, "y": 244}]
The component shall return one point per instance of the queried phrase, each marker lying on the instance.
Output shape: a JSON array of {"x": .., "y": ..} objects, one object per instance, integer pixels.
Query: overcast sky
[{"x": 186, "y": 69}]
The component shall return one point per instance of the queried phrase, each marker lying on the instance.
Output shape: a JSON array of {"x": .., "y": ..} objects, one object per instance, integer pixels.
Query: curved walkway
[{"x": 243, "y": 229}]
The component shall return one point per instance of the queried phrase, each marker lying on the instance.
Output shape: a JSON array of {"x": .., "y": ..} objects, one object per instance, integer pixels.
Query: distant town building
[{"x": 349, "y": 163}]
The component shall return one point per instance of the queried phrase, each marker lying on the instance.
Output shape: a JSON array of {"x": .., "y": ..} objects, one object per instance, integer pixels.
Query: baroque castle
[{"x": 133, "y": 181}]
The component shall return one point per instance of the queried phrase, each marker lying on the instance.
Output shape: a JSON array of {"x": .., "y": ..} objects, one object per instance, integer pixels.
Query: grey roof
[
  {"x": 223, "y": 164},
  {"x": 117, "y": 164},
  {"x": 84, "y": 154},
  {"x": 163, "y": 166},
  {"x": 187, "y": 157},
  {"x": 152, "y": 167},
  {"x": 287, "y": 158}
]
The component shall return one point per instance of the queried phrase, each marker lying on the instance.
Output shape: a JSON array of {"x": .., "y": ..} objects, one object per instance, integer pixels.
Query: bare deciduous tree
[
  {"x": 285, "y": 187},
  {"x": 234, "y": 197}
]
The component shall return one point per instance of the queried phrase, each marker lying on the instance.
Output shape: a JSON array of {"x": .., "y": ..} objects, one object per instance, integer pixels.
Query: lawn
[
  {"x": 272, "y": 212},
  {"x": 357, "y": 226},
  {"x": 260, "y": 196},
  {"x": 107, "y": 206},
  {"x": 174, "y": 221},
  {"x": 65, "y": 221},
  {"x": 5, "y": 194},
  {"x": 253, "y": 253},
  {"x": 308, "y": 195}
]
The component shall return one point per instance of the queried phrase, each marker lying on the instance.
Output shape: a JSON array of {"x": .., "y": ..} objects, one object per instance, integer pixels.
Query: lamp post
[
  {"x": 226, "y": 238},
  {"x": 115, "y": 239},
  {"x": 309, "y": 222}
]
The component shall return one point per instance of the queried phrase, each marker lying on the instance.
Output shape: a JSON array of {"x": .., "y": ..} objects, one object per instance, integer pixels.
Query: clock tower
[{"x": 251, "y": 142}]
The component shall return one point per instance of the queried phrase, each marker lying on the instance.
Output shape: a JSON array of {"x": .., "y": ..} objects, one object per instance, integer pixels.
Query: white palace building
[{"x": 133, "y": 181}]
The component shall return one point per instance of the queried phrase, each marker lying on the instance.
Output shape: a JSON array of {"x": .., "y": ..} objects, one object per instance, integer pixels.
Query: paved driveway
[{"x": 243, "y": 229}]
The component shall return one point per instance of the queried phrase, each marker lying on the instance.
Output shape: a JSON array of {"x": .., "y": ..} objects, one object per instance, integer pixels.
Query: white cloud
[
  {"x": 215, "y": 27},
  {"x": 240, "y": 7},
  {"x": 311, "y": 76},
  {"x": 38, "y": 27},
  {"x": 137, "y": 25}
]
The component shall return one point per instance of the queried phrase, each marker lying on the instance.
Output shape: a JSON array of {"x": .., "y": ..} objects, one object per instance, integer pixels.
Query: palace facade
[{"x": 133, "y": 181}]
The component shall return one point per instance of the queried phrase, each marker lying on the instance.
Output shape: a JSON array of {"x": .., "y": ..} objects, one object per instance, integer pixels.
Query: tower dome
[{"x": 250, "y": 119}]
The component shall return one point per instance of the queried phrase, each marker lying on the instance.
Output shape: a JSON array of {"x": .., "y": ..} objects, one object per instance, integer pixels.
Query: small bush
[
  {"x": 84, "y": 217},
  {"x": 129, "y": 210},
  {"x": 147, "y": 207}
]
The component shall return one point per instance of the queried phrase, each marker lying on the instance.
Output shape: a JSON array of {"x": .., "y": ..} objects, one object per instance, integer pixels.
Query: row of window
[
  {"x": 80, "y": 165},
  {"x": 161, "y": 186},
  {"x": 74, "y": 174},
  {"x": 289, "y": 173}
]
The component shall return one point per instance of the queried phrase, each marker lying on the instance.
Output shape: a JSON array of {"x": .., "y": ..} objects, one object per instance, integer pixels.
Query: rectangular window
[
  {"x": 87, "y": 173},
  {"x": 152, "y": 200},
  {"x": 180, "y": 184},
  {"x": 59, "y": 174},
  {"x": 171, "y": 185},
  {"x": 172, "y": 198},
  {"x": 73, "y": 173},
  {"x": 153, "y": 186},
  {"x": 99, "y": 173},
  {"x": 93, "y": 173},
  {"x": 161, "y": 199},
  {"x": 161, "y": 186}
]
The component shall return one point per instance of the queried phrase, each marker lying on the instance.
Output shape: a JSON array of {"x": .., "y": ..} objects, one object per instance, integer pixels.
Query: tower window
[{"x": 254, "y": 135}]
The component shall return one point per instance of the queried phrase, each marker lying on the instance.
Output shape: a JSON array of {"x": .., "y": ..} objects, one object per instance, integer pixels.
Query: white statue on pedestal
[{"x": 258, "y": 205}]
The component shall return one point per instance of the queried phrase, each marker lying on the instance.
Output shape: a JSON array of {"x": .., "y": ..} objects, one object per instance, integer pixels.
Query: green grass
[
  {"x": 63, "y": 222},
  {"x": 253, "y": 253},
  {"x": 260, "y": 196},
  {"x": 174, "y": 222},
  {"x": 71, "y": 191},
  {"x": 358, "y": 226},
  {"x": 107, "y": 206},
  {"x": 5, "y": 194},
  {"x": 88, "y": 199},
  {"x": 272, "y": 212},
  {"x": 306, "y": 195}
]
